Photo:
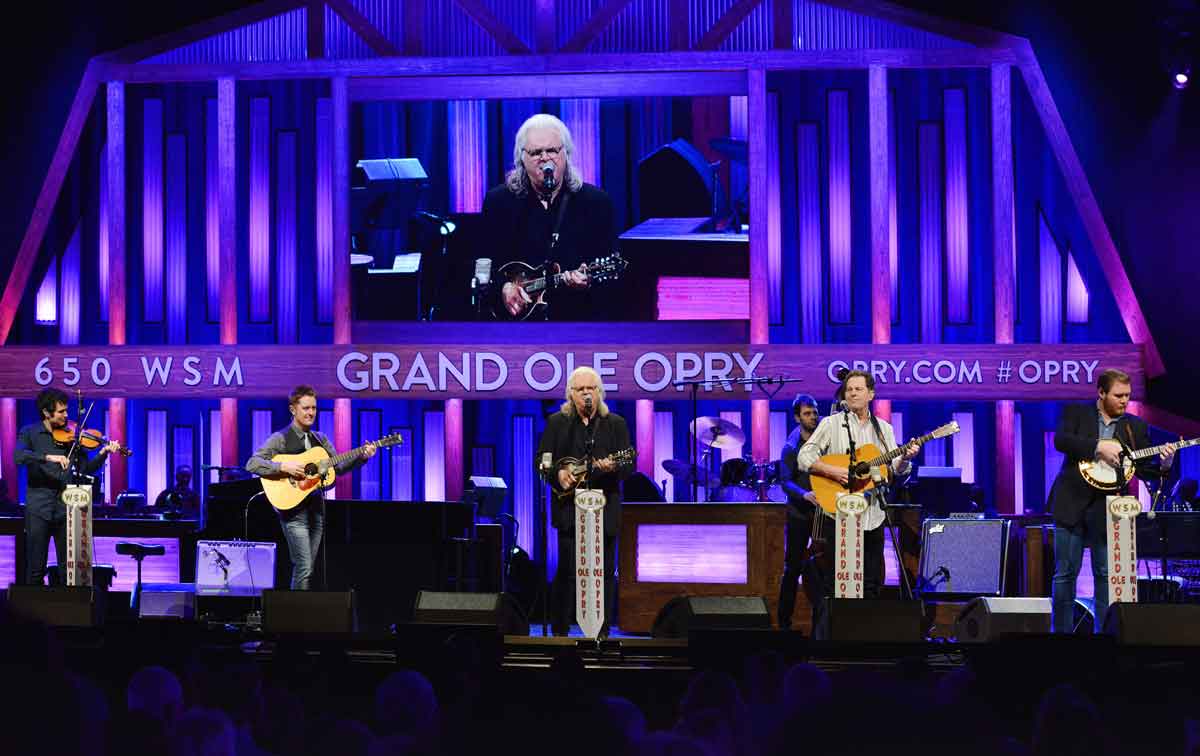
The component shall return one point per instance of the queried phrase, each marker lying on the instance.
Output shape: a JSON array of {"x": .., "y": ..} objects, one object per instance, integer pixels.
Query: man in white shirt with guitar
[
  {"x": 296, "y": 463},
  {"x": 823, "y": 457}
]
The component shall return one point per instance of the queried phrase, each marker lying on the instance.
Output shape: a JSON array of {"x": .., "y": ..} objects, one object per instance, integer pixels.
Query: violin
[{"x": 88, "y": 439}]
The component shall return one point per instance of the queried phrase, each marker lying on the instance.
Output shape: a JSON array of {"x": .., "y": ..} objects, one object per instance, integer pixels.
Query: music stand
[{"x": 1168, "y": 535}]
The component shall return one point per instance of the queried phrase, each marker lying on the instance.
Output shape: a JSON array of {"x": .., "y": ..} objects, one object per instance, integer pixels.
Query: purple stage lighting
[{"x": 1182, "y": 79}]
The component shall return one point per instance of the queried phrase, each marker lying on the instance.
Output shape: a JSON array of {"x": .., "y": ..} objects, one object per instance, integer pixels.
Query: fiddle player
[{"x": 47, "y": 474}]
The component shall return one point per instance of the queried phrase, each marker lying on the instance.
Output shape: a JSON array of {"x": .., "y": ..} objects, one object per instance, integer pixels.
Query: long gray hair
[
  {"x": 517, "y": 180},
  {"x": 568, "y": 407}
]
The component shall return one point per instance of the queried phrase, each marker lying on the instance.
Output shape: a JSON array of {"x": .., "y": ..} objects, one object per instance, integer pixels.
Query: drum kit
[{"x": 741, "y": 479}]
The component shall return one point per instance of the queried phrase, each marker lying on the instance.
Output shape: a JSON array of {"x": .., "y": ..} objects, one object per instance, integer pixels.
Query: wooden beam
[
  {"x": 341, "y": 211},
  {"x": 1165, "y": 420},
  {"x": 760, "y": 313},
  {"x": 35, "y": 232},
  {"x": 1006, "y": 463},
  {"x": 783, "y": 13},
  {"x": 118, "y": 465},
  {"x": 229, "y": 434},
  {"x": 1089, "y": 210},
  {"x": 454, "y": 449},
  {"x": 545, "y": 29},
  {"x": 227, "y": 206},
  {"x": 636, "y": 63},
  {"x": 680, "y": 84},
  {"x": 362, "y": 26},
  {"x": 725, "y": 25},
  {"x": 316, "y": 29},
  {"x": 678, "y": 13},
  {"x": 594, "y": 26},
  {"x": 203, "y": 30},
  {"x": 482, "y": 15}
]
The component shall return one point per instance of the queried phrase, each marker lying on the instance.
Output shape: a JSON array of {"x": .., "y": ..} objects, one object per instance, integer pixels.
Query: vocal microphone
[
  {"x": 483, "y": 271},
  {"x": 549, "y": 183}
]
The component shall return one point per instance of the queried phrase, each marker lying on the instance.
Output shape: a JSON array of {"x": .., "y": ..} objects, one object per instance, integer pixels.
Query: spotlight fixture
[{"x": 1182, "y": 78}]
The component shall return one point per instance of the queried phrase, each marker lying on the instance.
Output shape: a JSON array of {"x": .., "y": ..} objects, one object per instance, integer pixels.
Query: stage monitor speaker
[
  {"x": 1154, "y": 624},
  {"x": 987, "y": 618},
  {"x": 682, "y": 614},
  {"x": 871, "y": 621},
  {"x": 497, "y": 609},
  {"x": 311, "y": 612},
  {"x": 677, "y": 181},
  {"x": 167, "y": 600},
  {"x": 56, "y": 606},
  {"x": 963, "y": 557}
]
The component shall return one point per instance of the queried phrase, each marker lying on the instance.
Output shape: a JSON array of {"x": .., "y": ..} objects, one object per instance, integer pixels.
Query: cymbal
[
  {"x": 734, "y": 149},
  {"x": 716, "y": 432},
  {"x": 684, "y": 473}
]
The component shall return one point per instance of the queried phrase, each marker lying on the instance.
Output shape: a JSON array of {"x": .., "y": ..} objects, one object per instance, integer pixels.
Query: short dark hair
[
  {"x": 300, "y": 392},
  {"x": 49, "y": 399},
  {"x": 870, "y": 379},
  {"x": 802, "y": 400},
  {"x": 1111, "y": 376}
]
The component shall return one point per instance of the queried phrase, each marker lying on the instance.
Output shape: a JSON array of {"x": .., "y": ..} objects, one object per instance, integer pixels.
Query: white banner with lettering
[
  {"x": 848, "y": 582},
  {"x": 78, "y": 569},
  {"x": 1122, "y": 549},
  {"x": 589, "y": 561}
]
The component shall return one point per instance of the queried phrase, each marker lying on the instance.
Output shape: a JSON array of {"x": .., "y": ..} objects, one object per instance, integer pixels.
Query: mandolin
[
  {"x": 536, "y": 281},
  {"x": 579, "y": 468}
]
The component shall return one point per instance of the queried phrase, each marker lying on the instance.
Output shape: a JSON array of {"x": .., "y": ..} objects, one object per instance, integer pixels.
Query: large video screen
[{"x": 550, "y": 210}]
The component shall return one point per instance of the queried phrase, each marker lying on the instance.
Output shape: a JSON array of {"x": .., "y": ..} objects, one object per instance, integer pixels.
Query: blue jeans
[
  {"x": 302, "y": 529},
  {"x": 1068, "y": 558}
]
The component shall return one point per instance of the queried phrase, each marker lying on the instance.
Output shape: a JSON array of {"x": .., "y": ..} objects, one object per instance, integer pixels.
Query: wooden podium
[{"x": 701, "y": 549}]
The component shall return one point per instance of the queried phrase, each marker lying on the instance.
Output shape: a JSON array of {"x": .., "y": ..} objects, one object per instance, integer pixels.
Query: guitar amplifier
[
  {"x": 963, "y": 558},
  {"x": 237, "y": 567}
]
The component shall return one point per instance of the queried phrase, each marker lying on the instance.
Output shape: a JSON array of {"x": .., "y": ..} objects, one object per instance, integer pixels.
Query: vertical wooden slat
[
  {"x": 1004, "y": 275},
  {"x": 783, "y": 15},
  {"x": 645, "y": 437},
  {"x": 678, "y": 24},
  {"x": 341, "y": 211},
  {"x": 343, "y": 440},
  {"x": 227, "y": 233},
  {"x": 316, "y": 29},
  {"x": 118, "y": 473},
  {"x": 881, "y": 283},
  {"x": 544, "y": 26},
  {"x": 8, "y": 443},
  {"x": 756, "y": 117},
  {"x": 454, "y": 449},
  {"x": 413, "y": 26}
]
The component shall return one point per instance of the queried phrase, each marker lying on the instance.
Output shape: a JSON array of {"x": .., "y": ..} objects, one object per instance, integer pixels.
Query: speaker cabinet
[
  {"x": 312, "y": 612},
  {"x": 497, "y": 609},
  {"x": 963, "y": 558},
  {"x": 870, "y": 621},
  {"x": 57, "y": 606},
  {"x": 168, "y": 600},
  {"x": 1154, "y": 624},
  {"x": 988, "y": 618},
  {"x": 682, "y": 614}
]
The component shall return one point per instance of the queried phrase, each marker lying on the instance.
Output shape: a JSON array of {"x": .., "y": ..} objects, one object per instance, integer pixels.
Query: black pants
[
  {"x": 795, "y": 565},
  {"x": 821, "y": 572},
  {"x": 562, "y": 594},
  {"x": 37, "y": 545}
]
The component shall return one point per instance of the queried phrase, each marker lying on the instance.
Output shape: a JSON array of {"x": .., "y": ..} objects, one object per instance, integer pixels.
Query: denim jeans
[
  {"x": 1068, "y": 558},
  {"x": 302, "y": 529}
]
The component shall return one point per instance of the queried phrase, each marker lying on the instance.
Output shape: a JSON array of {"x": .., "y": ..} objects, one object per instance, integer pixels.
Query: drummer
[{"x": 801, "y": 505}]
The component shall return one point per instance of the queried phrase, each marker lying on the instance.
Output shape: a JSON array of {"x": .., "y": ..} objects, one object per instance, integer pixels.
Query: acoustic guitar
[
  {"x": 1104, "y": 477},
  {"x": 828, "y": 490},
  {"x": 285, "y": 492},
  {"x": 579, "y": 467}
]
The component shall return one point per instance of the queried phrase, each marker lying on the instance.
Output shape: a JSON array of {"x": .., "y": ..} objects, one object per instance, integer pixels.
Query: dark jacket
[
  {"x": 794, "y": 481},
  {"x": 1076, "y": 437},
  {"x": 45, "y": 481},
  {"x": 562, "y": 438}
]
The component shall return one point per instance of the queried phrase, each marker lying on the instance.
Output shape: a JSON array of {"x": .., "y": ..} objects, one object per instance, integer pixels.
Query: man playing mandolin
[
  {"x": 583, "y": 428},
  {"x": 303, "y": 525},
  {"x": 544, "y": 212},
  {"x": 830, "y": 438},
  {"x": 1098, "y": 433}
]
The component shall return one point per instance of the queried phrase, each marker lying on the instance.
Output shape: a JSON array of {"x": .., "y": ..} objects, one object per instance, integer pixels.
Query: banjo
[{"x": 1105, "y": 477}]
